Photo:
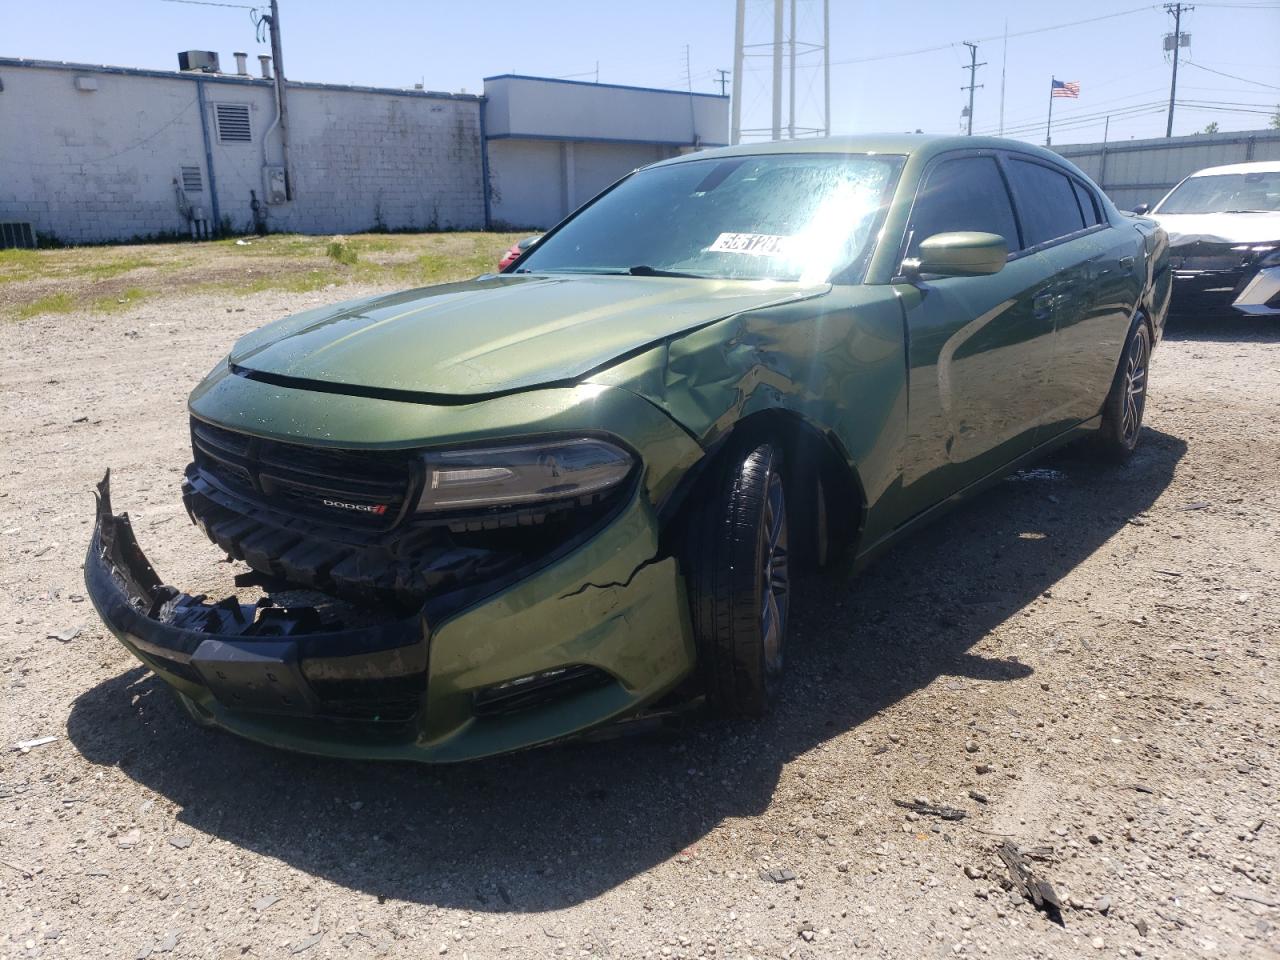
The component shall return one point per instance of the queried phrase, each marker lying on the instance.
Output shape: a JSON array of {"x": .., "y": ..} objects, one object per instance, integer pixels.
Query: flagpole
[{"x": 1048, "y": 130}]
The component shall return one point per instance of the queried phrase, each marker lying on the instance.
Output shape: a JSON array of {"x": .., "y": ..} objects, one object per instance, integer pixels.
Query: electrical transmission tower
[{"x": 784, "y": 49}]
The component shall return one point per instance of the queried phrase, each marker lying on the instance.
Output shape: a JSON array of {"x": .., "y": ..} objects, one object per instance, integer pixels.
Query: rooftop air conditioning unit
[{"x": 200, "y": 61}]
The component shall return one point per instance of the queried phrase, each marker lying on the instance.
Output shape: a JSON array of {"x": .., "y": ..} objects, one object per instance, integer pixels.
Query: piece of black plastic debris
[
  {"x": 928, "y": 809},
  {"x": 1029, "y": 884},
  {"x": 777, "y": 875},
  {"x": 979, "y": 797}
]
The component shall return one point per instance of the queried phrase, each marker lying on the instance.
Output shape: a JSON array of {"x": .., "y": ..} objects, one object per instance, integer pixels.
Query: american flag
[{"x": 1066, "y": 88}]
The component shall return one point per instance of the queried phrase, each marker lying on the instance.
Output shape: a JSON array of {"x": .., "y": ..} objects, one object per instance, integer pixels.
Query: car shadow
[
  {"x": 1224, "y": 325},
  {"x": 550, "y": 828}
]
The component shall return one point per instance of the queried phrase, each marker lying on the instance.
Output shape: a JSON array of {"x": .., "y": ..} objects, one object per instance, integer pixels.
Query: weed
[
  {"x": 343, "y": 252},
  {"x": 54, "y": 303}
]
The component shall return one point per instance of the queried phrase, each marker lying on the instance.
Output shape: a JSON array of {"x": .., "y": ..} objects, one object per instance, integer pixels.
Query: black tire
[
  {"x": 738, "y": 576},
  {"x": 1127, "y": 401}
]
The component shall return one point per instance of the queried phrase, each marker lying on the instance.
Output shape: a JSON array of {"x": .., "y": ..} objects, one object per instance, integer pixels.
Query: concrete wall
[
  {"x": 536, "y": 183},
  {"x": 570, "y": 110},
  {"x": 1143, "y": 171},
  {"x": 100, "y": 164}
]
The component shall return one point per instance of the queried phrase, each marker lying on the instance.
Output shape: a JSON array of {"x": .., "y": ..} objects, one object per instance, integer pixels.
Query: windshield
[
  {"x": 775, "y": 217},
  {"x": 1225, "y": 192}
]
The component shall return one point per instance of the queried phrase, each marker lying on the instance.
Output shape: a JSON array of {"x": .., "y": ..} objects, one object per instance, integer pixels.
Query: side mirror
[
  {"x": 1141, "y": 208},
  {"x": 960, "y": 254},
  {"x": 528, "y": 242}
]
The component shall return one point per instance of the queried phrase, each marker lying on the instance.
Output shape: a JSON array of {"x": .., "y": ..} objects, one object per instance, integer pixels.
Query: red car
[{"x": 517, "y": 250}]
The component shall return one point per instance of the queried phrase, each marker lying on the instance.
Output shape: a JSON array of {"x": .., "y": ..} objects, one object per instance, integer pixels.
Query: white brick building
[{"x": 94, "y": 153}]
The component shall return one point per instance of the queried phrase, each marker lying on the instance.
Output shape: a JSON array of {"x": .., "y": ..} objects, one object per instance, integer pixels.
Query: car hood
[
  {"x": 496, "y": 333},
  {"x": 1186, "y": 228}
]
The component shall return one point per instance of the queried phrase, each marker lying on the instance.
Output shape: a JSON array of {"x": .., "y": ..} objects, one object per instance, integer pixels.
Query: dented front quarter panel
[{"x": 836, "y": 361}]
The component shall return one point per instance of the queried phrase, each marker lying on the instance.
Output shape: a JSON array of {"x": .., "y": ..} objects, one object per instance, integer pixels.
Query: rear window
[
  {"x": 1088, "y": 205},
  {"x": 1046, "y": 202}
]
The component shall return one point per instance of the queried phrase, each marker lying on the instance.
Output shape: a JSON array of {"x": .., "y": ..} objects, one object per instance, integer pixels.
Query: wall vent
[
  {"x": 20, "y": 236},
  {"x": 232, "y": 120},
  {"x": 192, "y": 181}
]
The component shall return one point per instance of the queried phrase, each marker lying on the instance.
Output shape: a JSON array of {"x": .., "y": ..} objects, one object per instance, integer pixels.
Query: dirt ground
[{"x": 1084, "y": 659}]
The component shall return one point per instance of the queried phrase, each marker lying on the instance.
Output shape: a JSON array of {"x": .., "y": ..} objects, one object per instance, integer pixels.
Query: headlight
[{"x": 520, "y": 475}]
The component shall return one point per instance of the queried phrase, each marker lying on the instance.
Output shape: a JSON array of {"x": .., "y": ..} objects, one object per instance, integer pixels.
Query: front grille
[{"x": 362, "y": 489}]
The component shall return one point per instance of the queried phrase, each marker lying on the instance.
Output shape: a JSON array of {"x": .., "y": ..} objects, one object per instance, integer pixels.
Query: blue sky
[{"x": 453, "y": 45}]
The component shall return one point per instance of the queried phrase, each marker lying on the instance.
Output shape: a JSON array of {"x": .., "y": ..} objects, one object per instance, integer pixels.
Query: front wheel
[
  {"x": 737, "y": 568},
  {"x": 1125, "y": 404}
]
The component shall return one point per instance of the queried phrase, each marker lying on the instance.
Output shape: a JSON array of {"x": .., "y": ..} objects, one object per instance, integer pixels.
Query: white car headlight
[{"x": 524, "y": 474}]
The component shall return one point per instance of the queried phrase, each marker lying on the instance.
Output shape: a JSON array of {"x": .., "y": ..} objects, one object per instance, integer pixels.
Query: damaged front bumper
[{"x": 593, "y": 637}]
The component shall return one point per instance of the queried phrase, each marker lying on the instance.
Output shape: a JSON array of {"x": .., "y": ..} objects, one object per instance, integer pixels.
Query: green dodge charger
[{"x": 575, "y": 492}]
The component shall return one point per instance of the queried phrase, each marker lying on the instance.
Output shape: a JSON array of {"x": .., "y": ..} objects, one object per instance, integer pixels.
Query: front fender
[{"x": 838, "y": 362}]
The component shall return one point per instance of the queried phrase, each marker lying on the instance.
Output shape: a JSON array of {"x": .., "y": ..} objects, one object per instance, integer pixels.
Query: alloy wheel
[
  {"x": 1135, "y": 387},
  {"x": 775, "y": 573}
]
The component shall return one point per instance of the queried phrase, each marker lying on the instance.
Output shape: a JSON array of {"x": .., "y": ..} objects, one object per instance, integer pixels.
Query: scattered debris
[
  {"x": 265, "y": 902},
  {"x": 979, "y": 797},
  {"x": 26, "y": 746},
  {"x": 26, "y": 874},
  {"x": 65, "y": 635},
  {"x": 181, "y": 841},
  {"x": 1141, "y": 926},
  {"x": 1030, "y": 885},
  {"x": 927, "y": 809},
  {"x": 168, "y": 943},
  {"x": 131, "y": 839},
  {"x": 308, "y": 943},
  {"x": 777, "y": 875},
  {"x": 1198, "y": 505}
]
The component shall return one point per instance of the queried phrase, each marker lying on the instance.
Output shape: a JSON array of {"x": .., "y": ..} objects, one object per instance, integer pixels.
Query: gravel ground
[{"x": 1084, "y": 659}]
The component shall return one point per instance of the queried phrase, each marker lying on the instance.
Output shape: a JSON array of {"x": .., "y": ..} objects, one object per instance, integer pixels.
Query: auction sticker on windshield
[{"x": 752, "y": 244}]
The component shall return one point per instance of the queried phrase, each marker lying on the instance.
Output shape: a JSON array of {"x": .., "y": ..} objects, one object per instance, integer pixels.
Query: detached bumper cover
[{"x": 610, "y": 613}]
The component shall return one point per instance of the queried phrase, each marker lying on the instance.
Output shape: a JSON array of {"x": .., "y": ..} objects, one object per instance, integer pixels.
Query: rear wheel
[
  {"x": 1127, "y": 401},
  {"x": 739, "y": 580}
]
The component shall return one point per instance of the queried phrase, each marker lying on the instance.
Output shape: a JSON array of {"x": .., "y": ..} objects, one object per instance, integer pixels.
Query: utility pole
[
  {"x": 723, "y": 80},
  {"x": 972, "y": 68},
  {"x": 776, "y": 126},
  {"x": 1176, "y": 9},
  {"x": 735, "y": 104},
  {"x": 791, "y": 80},
  {"x": 278, "y": 57}
]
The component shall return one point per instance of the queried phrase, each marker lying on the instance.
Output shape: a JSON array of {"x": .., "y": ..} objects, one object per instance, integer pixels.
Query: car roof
[
  {"x": 892, "y": 144},
  {"x": 1257, "y": 166}
]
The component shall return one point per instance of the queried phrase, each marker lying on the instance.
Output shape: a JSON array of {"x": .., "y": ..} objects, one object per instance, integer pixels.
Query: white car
[{"x": 1224, "y": 238}]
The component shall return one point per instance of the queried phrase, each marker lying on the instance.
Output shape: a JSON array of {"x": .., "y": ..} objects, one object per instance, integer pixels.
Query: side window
[
  {"x": 1046, "y": 202},
  {"x": 967, "y": 193},
  {"x": 1088, "y": 206}
]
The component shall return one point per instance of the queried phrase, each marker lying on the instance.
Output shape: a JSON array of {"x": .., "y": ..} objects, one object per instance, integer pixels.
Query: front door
[{"x": 979, "y": 348}]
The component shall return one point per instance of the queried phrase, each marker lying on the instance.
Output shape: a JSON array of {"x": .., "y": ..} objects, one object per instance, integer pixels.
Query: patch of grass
[
  {"x": 121, "y": 301},
  {"x": 343, "y": 252},
  {"x": 54, "y": 303},
  {"x": 19, "y": 265},
  {"x": 112, "y": 268}
]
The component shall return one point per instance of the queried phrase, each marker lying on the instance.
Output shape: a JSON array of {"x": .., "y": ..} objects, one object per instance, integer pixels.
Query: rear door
[
  {"x": 978, "y": 347},
  {"x": 1093, "y": 293}
]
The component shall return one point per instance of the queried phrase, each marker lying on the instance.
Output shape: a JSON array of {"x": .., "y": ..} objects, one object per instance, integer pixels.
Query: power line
[
  {"x": 212, "y": 3},
  {"x": 1232, "y": 76},
  {"x": 998, "y": 36}
]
